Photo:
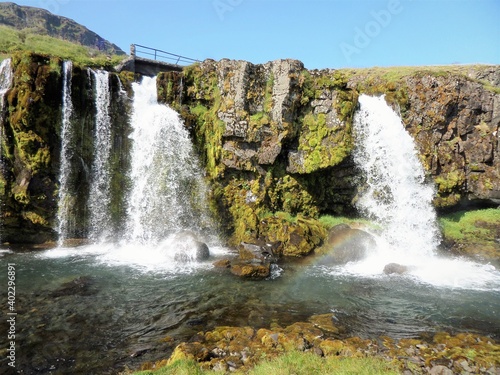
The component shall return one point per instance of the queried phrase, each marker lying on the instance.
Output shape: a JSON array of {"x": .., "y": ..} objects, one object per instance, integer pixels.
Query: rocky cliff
[
  {"x": 277, "y": 137},
  {"x": 274, "y": 138},
  {"x": 31, "y": 147}
]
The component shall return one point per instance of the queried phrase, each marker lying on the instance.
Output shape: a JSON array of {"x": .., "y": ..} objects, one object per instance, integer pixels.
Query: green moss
[{"x": 450, "y": 181}]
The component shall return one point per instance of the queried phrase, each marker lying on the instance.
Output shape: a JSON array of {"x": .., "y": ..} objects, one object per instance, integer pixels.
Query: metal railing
[{"x": 138, "y": 50}]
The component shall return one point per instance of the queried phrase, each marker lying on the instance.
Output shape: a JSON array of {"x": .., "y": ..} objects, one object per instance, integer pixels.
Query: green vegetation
[
  {"x": 291, "y": 363},
  {"x": 12, "y": 40},
  {"x": 474, "y": 226},
  {"x": 329, "y": 221},
  {"x": 473, "y": 233}
]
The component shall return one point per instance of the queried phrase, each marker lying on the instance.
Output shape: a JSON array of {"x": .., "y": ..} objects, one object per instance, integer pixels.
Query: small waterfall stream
[
  {"x": 65, "y": 200},
  {"x": 100, "y": 189},
  {"x": 5, "y": 85},
  {"x": 5, "y": 79}
]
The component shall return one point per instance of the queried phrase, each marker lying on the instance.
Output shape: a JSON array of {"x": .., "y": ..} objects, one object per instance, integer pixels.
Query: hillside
[{"x": 30, "y": 21}]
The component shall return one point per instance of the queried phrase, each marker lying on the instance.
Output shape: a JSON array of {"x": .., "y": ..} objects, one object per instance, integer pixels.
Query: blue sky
[{"x": 320, "y": 33}]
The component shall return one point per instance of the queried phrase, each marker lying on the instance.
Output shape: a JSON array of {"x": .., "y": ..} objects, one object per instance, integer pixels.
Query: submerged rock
[
  {"x": 395, "y": 268},
  {"x": 345, "y": 244},
  {"x": 81, "y": 286}
]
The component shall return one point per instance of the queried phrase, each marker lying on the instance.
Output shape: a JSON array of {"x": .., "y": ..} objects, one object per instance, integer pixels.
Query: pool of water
[{"x": 102, "y": 308}]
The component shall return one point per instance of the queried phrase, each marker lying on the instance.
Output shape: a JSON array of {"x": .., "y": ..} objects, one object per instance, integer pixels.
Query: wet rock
[
  {"x": 395, "y": 268},
  {"x": 81, "y": 286},
  {"x": 251, "y": 270},
  {"x": 188, "y": 247},
  {"x": 222, "y": 263},
  {"x": 262, "y": 252},
  {"x": 345, "y": 244},
  {"x": 326, "y": 322}
]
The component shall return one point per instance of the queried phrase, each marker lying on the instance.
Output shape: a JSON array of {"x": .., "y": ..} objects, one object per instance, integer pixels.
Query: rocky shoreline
[{"x": 240, "y": 348}]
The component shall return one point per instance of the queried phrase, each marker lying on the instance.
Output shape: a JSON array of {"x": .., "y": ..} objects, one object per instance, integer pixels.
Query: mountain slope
[{"x": 41, "y": 22}]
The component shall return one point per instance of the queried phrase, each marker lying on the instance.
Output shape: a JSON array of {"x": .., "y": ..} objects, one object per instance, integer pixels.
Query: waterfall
[
  {"x": 167, "y": 193},
  {"x": 5, "y": 85},
  {"x": 65, "y": 200},
  {"x": 397, "y": 196},
  {"x": 99, "y": 197},
  {"x": 5, "y": 80}
]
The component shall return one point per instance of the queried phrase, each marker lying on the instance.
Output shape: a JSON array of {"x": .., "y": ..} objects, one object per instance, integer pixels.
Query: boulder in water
[
  {"x": 188, "y": 247},
  {"x": 345, "y": 244},
  {"x": 395, "y": 268},
  {"x": 251, "y": 270}
]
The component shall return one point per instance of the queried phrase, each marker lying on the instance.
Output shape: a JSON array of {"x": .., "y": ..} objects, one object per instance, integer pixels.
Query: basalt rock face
[
  {"x": 277, "y": 137},
  {"x": 455, "y": 123},
  {"x": 274, "y": 137}
]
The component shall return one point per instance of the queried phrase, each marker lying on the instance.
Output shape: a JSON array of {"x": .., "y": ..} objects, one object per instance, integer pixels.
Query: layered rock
[{"x": 276, "y": 137}]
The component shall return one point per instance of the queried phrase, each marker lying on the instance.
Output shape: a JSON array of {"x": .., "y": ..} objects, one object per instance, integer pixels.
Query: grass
[
  {"x": 472, "y": 226},
  {"x": 12, "y": 40},
  {"x": 329, "y": 221},
  {"x": 292, "y": 363}
]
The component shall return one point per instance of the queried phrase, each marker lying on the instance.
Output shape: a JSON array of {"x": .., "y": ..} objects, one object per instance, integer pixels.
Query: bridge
[{"x": 151, "y": 61}]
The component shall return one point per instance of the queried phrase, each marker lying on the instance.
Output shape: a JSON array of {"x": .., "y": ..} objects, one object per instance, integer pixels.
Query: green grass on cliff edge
[
  {"x": 12, "y": 40},
  {"x": 290, "y": 363}
]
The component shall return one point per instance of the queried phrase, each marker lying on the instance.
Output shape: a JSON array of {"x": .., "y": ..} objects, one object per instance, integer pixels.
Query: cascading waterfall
[
  {"x": 398, "y": 198},
  {"x": 168, "y": 189},
  {"x": 99, "y": 197},
  {"x": 65, "y": 200}
]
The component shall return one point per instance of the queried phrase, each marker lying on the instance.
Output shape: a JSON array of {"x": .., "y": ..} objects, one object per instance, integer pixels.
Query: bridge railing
[{"x": 157, "y": 54}]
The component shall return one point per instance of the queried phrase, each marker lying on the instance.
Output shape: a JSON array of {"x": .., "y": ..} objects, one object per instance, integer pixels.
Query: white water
[
  {"x": 5, "y": 79},
  {"x": 65, "y": 200},
  {"x": 168, "y": 189},
  {"x": 167, "y": 195},
  {"x": 399, "y": 199},
  {"x": 100, "y": 189},
  {"x": 5, "y": 85}
]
